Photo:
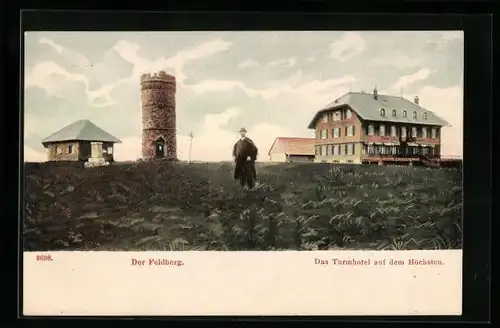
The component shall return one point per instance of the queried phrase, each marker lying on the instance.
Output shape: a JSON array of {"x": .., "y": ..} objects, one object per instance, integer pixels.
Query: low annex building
[
  {"x": 80, "y": 141},
  {"x": 292, "y": 150}
]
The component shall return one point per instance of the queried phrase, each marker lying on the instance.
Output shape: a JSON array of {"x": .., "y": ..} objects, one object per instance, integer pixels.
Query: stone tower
[{"x": 159, "y": 137}]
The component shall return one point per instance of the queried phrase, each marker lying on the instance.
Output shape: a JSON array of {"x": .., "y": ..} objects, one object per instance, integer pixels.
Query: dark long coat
[{"x": 242, "y": 149}]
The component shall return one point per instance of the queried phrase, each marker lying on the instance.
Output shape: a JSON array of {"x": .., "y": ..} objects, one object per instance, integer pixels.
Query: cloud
[
  {"x": 57, "y": 47},
  {"x": 447, "y": 103},
  {"x": 31, "y": 155},
  {"x": 349, "y": 45},
  {"x": 53, "y": 78},
  {"x": 395, "y": 58},
  {"x": 407, "y": 80},
  {"x": 281, "y": 87},
  {"x": 248, "y": 63},
  {"x": 286, "y": 62},
  {"x": 174, "y": 64}
]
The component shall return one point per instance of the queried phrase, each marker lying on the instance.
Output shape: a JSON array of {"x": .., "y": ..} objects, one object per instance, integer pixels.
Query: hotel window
[
  {"x": 349, "y": 149},
  {"x": 336, "y": 132},
  {"x": 382, "y": 130},
  {"x": 371, "y": 130},
  {"x": 424, "y": 132},
  {"x": 323, "y": 150},
  {"x": 348, "y": 114},
  {"x": 403, "y": 132},
  {"x": 350, "y": 130},
  {"x": 336, "y": 150},
  {"x": 382, "y": 112},
  {"x": 324, "y": 134},
  {"x": 404, "y": 114},
  {"x": 393, "y": 112},
  {"x": 433, "y": 133},
  {"x": 414, "y": 114},
  {"x": 325, "y": 118},
  {"x": 393, "y": 131},
  {"x": 336, "y": 116},
  {"x": 425, "y": 116},
  {"x": 414, "y": 132}
]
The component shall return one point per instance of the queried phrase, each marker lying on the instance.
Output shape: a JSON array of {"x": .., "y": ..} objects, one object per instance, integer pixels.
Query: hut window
[
  {"x": 382, "y": 112},
  {"x": 70, "y": 149}
]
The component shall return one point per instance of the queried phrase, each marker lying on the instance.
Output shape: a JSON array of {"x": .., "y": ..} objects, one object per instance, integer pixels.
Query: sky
[{"x": 272, "y": 83}]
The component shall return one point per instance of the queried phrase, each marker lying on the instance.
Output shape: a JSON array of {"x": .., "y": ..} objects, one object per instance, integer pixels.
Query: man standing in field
[{"x": 243, "y": 150}]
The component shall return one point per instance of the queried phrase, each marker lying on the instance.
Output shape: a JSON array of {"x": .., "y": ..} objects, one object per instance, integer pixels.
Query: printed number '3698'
[{"x": 44, "y": 258}]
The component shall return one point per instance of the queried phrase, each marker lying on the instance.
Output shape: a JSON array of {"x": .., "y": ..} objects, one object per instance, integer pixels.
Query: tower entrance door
[{"x": 160, "y": 148}]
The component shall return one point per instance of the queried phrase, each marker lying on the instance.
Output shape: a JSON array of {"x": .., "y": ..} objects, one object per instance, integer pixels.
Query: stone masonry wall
[
  {"x": 158, "y": 114},
  {"x": 60, "y": 151}
]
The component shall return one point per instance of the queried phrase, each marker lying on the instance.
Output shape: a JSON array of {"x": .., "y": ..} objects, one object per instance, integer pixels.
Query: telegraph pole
[{"x": 190, "y": 144}]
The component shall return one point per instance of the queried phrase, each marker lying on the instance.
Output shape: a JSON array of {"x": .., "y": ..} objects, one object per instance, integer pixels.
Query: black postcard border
[{"x": 477, "y": 119}]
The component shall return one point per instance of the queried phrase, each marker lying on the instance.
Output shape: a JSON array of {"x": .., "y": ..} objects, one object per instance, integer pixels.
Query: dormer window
[
  {"x": 404, "y": 113},
  {"x": 425, "y": 116},
  {"x": 414, "y": 114},
  {"x": 394, "y": 112},
  {"x": 382, "y": 112}
]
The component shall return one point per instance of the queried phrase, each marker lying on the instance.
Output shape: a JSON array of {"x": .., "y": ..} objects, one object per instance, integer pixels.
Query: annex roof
[
  {"x": 82, "y": 130},
  {"x": 368, "y": 108},
  {"x": 294, "y": 146}
]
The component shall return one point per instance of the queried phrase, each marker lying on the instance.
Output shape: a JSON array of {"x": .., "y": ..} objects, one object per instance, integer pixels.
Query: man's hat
[{"x": 243, "y": 130}]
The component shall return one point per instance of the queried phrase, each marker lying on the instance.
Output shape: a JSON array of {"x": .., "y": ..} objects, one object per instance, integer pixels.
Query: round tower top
[{"x": 160, "y": 76}]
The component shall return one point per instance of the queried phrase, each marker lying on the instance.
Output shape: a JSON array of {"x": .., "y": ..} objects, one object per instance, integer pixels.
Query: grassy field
[{"x": 180, "y": 206}]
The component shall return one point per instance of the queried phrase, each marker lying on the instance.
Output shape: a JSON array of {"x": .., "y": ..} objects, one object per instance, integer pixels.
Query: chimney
[
  {"x": 415, "y": 100},
  {"x": 375, "y": 93}
]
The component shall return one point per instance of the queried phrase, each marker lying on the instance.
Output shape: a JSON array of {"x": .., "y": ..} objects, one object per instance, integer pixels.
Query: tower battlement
[{"x": 161, "y": 76}]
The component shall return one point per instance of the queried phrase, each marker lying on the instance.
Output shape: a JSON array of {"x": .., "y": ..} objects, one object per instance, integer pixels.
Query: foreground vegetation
[{"x": 180, "y": 206}]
